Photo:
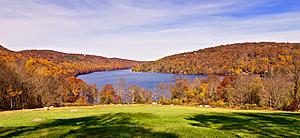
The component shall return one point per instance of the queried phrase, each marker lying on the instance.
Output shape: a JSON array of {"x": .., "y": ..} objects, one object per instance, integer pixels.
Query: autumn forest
[
  {"x": 261, "y": 75},
  {"x": 37, "y": 78}
]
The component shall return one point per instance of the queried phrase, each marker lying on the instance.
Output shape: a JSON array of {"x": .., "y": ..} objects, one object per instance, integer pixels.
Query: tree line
[
  {"x": 37, "y": 78},
  {"x": 245, "y": 92}
]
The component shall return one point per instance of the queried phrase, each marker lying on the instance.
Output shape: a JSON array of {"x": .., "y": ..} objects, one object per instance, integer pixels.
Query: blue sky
[{"x": 144, "y": 29}]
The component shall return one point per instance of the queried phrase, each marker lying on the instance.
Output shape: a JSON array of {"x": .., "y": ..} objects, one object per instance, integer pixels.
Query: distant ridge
[
  {"x": 2, "y": 48},
  {"x": 247, "y": 58},
  {"x": 55, "y": 55},
  {"x": 80, "y": 63}
]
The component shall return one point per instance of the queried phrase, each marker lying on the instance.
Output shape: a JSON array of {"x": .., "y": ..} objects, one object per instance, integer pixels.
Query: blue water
[{"x": 143, "y": 79}]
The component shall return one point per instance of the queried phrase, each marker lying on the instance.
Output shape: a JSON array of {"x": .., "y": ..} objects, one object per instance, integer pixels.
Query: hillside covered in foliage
[
  {"x": 241, "y": 58},
  {"x": 80, "y": 63},
  {"x": 37, "y": 78}
]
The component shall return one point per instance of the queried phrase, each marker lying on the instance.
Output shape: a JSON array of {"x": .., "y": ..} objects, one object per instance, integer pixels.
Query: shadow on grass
[
  {"x": 107, "y": 125},
  {"x": 244, "y": 124}
]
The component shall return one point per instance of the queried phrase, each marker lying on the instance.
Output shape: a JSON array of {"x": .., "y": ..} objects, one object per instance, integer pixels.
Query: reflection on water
[{"x": 143, "y": 79}]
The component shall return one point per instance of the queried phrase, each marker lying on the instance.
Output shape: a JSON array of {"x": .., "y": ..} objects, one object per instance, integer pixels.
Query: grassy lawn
[{"x": 148, "y": 121}]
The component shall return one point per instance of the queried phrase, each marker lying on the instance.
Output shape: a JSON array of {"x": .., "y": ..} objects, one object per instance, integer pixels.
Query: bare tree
[
  {"x": 276, "y": 91},
  {"x": 132, "y": 92},
  {"x": 240, "y": 90},
  {"x": 120, "y": 88},
  {"x": 162, "y": 89},
  {"x": 246, "y": 89},
  {"x": 213, "y": 81}
]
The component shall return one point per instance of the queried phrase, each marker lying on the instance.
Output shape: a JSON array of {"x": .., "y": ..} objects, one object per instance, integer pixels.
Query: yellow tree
[
  {"x": 202, "y": 94},
  {"x": 13, "y": 93}
]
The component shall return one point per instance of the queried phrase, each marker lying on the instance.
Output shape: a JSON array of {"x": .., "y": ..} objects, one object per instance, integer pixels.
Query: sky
[{"x": 144, "y": 29}]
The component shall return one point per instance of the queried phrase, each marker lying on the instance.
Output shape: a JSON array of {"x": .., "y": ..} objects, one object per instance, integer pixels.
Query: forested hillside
[
  {"x": 81, "y": 63},
  {"x": 3, "y": 48},
  {"x": 264, "y": 74},
  {"x": 242, "y": 58},
  {"x": 37, "y": 78}
]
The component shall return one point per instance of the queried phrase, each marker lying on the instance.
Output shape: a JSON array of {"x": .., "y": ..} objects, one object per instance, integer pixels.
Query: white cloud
[{"x": 125, "y": 29}]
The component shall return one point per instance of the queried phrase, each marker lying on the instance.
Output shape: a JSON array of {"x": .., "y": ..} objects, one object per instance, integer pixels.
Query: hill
[
  {"x": 3, "y": 49},
  {"x": 83, "y": 63},
  {"x": 247, "y": 58},
  {"x": 37, "y": 78}
]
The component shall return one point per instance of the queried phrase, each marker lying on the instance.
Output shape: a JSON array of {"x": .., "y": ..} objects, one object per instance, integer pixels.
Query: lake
[{"x": 147, "y": 80}]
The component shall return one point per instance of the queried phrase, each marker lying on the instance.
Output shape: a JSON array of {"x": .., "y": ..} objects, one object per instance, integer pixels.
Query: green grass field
[{"x": 148, "y": 121}]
